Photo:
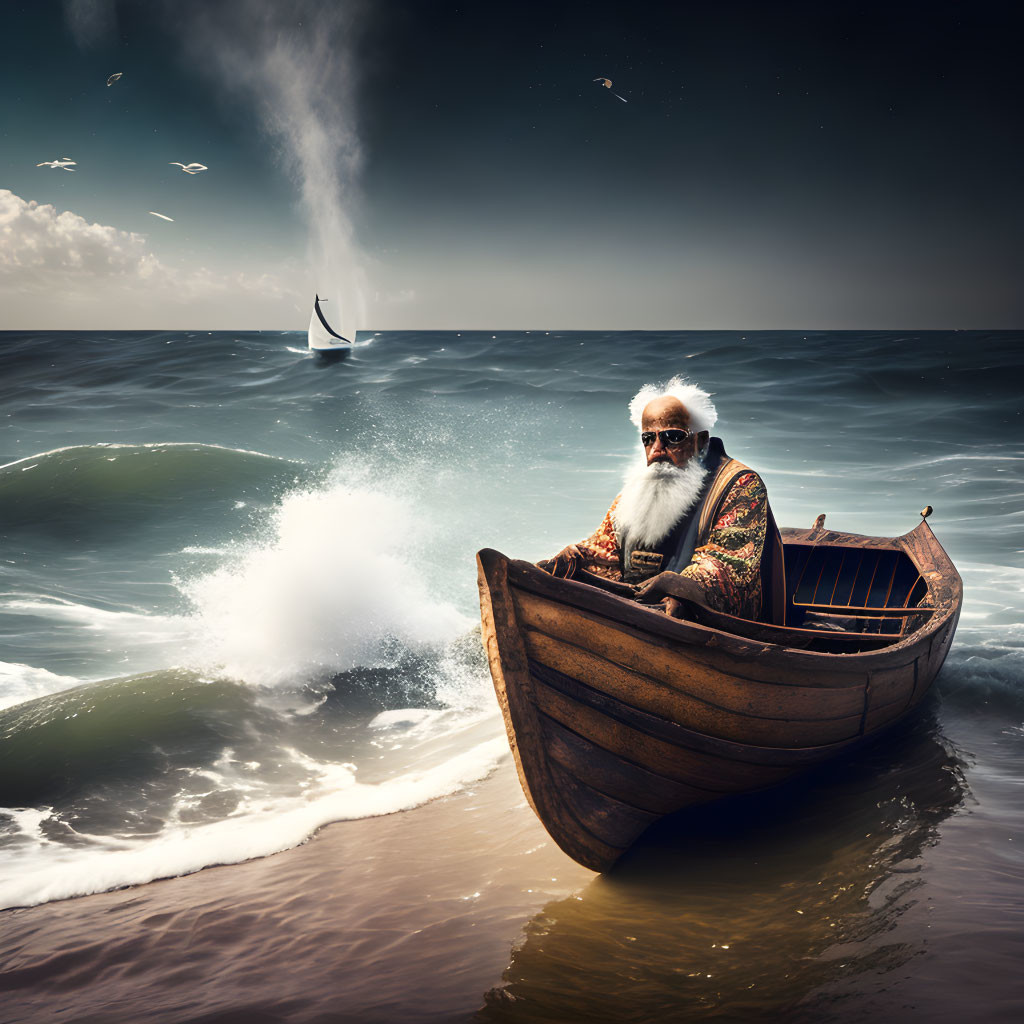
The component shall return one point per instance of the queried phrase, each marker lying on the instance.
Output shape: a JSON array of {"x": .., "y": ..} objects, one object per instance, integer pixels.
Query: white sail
[{"x": 322, "y": 336}]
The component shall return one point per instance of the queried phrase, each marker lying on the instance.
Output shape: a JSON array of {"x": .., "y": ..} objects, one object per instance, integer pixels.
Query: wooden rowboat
[{"x": 618, "y": 714}]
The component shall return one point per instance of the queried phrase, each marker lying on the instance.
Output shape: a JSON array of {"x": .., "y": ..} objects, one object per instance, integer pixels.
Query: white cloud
[
  {"x": 36, "y": 241},
  {"x": 98, "y": 276}
]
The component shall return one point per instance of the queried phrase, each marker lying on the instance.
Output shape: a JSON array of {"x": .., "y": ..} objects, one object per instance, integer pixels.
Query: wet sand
[
  {"x": 411, "y": 916},
  {"x": 888, "y": 887}
]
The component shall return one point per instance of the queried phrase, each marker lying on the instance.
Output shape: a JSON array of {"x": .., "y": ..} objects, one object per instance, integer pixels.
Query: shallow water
[{"x": 237, "y": 603}]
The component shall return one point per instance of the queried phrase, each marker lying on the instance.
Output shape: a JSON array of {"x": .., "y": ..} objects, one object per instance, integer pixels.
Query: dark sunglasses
[{"x": 669, "y": 438}]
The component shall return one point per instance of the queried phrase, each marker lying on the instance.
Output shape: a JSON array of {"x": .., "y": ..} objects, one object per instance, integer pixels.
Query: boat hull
[{"x": 618, "y": 715}]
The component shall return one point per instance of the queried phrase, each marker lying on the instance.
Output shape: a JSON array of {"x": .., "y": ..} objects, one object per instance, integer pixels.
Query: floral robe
[{"x": 727, "y": 561}]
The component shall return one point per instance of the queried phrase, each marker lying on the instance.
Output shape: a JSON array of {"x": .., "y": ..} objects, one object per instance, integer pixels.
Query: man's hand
[
  {"x": 572, "y": 557},
  {"x": 562, "y": 563},
  {"x": 673, "y": 587},
  {"x": 568, "y": 553}
]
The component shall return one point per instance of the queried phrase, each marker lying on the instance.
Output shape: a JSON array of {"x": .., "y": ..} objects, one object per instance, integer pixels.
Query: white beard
[{"x": 654, "y": 498}]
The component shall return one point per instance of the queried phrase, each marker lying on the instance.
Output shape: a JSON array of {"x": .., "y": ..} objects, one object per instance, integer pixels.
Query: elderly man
[{"x": 690, "y": 523}]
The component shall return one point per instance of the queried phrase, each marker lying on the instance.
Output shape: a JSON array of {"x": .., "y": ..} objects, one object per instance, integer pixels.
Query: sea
[{"x": 238, "y": 606}]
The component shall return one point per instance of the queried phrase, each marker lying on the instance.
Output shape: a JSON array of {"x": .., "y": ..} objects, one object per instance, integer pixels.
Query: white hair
[{"x": 697, "y": 401}]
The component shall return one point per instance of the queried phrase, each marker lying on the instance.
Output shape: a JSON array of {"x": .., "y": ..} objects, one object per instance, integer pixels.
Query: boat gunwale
[{"x": 918, "y": 544}]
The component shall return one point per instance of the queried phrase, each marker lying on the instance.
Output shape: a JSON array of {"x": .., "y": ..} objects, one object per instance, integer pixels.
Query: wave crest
[{"x": 333, "y": 587}]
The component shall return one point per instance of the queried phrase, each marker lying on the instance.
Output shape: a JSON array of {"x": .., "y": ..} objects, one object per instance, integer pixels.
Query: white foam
[
  {"x": 130, "y": 624},
  {"x": 331, "y": 589},
  {"x": 19, "y": 683},
  {"x": 402, "y": 716},
  {"x": 58, "y": 872},
  {"x": 425, "y": 728},
  {"x": 461, "y": 685},
  {"x": 152, "y": 640},
  {"x": 28, "y": 820}
]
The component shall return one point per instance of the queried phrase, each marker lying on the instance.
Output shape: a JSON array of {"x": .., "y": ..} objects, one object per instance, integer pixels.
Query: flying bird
[
  {"x": 607, "y": 83},
  {"x": 64, "y": 163},
  {"x": 162, "y": 216},
  {"x": 114, "y": 77},
  {"x": 192, "y": 168}
]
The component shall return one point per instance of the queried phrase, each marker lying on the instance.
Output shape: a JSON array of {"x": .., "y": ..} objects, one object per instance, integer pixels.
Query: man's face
[{"x": 669, "y": 414}]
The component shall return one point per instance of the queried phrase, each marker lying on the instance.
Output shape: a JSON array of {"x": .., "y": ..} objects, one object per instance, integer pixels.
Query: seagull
[
  {"x": 162, "y": 216},
  {"x": 65, "y": 163},
  {"x": 114, "y": 77},
  {"x": 190, "y": 168},
  {"x": 607, "y": 83}
]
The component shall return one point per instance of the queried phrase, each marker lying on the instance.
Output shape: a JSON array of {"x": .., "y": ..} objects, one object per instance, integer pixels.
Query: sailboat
[{"x": 323, "y": 337}]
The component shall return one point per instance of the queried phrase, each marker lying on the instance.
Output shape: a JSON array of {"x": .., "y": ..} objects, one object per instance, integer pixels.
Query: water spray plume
[
  {"x": 313, "y": 600},
  {"x": 296, "y": 64}
]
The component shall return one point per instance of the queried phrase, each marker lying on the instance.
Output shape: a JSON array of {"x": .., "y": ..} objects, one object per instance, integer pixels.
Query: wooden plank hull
[{"x": 618, "y": 715}]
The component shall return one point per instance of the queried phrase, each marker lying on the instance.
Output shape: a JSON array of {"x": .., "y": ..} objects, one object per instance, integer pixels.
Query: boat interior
[
  {"x": 848, "y": 599},
  {"x": 839, "y": 599}
]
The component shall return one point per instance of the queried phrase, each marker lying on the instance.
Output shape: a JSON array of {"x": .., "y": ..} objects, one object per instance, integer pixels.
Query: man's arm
[{"x": 728, "y": 566}]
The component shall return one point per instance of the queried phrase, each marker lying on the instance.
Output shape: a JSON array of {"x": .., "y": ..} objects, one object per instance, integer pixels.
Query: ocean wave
[
  {"x": 985, "y": 668},
  {"x": 101, "y": 485},
  {"x": 957, "y": 457},
  {"x": 101, "y": 450},
  {"x": 128, "y": 630},
  {"x": 121, "y": 732},
  {"x": 39, "y": 873},
  {"x": 127, "y": 780},
  {"x": 329, "y": 580}
]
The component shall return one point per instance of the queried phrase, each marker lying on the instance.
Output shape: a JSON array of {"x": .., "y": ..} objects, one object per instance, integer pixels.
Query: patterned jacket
[{"x": 727, "y": 560}]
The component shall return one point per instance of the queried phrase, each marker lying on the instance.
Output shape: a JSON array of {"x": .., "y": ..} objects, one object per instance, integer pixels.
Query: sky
[{"x": 454, "y": 165}]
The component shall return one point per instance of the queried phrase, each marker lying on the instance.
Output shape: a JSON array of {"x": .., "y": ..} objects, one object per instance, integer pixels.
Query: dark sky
[{"x": 776, "y": 165}]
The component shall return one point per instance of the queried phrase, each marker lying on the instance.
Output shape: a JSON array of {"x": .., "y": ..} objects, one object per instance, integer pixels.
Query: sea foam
[
  {"x": 42, "y": 872},
  {"x": 331, "y": 586},
  {"x": 19, "y": 683}
]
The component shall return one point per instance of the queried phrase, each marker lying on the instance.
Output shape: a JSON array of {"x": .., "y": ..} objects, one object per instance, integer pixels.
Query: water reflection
[{"x": 737, "y": 912}]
